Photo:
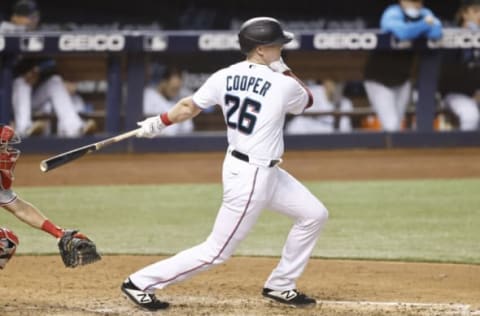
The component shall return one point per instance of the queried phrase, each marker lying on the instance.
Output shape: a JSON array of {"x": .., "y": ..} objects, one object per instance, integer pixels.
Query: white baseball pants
[
  {"x": 50, "y": 95},
  {"x": 248, "y": 189},
  {"x": 389, "y": 103},
  {"x": 466, "y": 109}
]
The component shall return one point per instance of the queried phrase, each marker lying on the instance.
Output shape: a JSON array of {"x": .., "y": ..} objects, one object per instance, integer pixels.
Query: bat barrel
[
  {"x": 59, "y": 160},
  {"x": 44, "y": 166}
]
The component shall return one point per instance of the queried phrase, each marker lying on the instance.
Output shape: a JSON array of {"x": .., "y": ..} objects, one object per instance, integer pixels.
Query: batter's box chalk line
[
  {"x": 361, "y": 306},
  {"x": 246, "y": 304},
  {"x": 420, "y": 308}
]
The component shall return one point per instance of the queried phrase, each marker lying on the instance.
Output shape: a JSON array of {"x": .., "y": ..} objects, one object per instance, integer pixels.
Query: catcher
[{"x": 75, "y": 248}]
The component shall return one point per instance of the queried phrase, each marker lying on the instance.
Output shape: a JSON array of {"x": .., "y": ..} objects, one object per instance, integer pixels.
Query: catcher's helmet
[{"x": 261, "y": 31}]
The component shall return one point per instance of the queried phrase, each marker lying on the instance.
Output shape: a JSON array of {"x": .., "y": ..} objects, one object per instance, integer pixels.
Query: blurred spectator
[
  {"x": 327, "y": 97},
  {"x": 165, "y": 89},
  {"x": 388, "y": 74},
  {"x": 25, "y": 17},
  {"x": 460, "y": 75},
  {"x": 37, "y": 88}
]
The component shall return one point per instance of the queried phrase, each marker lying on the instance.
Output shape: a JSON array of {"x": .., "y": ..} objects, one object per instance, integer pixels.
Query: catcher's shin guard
[{"x": 8, "y": 245}]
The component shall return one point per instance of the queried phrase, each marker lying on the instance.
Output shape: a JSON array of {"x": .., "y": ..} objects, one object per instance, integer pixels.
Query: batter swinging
[{"x": 255, "y": 95}]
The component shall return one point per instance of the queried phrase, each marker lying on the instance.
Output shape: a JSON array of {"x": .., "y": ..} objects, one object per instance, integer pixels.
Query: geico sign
[
  {"x": 210, "y": 41},
  {"x": 100, "y": 42},
  {"x": 345, "y": 41},
  {"x": 2, "y": 43},
  {"x": 457, "y": 40}
]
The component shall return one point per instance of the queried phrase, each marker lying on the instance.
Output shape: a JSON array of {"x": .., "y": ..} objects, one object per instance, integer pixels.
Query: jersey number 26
[{"x": 246, "y": 117}]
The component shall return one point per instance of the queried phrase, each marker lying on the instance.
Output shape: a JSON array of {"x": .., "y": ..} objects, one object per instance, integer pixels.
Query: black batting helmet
[{"x": 261, "y": 31}]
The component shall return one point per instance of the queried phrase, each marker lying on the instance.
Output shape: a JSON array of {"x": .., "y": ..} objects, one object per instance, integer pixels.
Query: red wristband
[
  {"x": 52, "y": 229},
  {"x": 165, "y": 119}
]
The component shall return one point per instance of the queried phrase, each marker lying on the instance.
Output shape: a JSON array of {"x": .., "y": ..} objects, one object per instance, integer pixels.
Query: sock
[{"x": 52, "y": 229}]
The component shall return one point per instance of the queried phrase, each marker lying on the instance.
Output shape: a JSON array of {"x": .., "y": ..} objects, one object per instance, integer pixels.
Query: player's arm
[
  {"x": 29, "y": 214},
  {"x": 393, "y": 21},
  {"x": 26, "y": 212},
  {"x": 436, "y": 29},
  {"x": 183, "y": 110},
  {"x": 309, "y": 101},
  {"x": 302, "y": 96},
  {"x": 75, "y": 248}
]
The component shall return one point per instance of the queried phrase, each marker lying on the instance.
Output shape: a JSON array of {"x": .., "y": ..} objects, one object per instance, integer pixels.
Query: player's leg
[
  {"x": 54, "y": 91},
  {"x": 294, "y": 200},
  {"x": 466, "y": 109},
  {"x": 382, "y": 99},
  {"x": 403, "y": 96},
  {"x": 22, "y": 105},
  {"x": 345, "y": 124},
  {"x": 8, "y": 239},
  {"x": 246, "y": 189}
]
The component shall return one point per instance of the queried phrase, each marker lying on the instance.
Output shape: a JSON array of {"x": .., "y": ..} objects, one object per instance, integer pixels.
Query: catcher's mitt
[{"x": 76, "y": 249}]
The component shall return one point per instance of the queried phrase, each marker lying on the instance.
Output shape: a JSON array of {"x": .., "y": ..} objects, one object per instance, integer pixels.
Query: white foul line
[{"x": 248, "y": 307}]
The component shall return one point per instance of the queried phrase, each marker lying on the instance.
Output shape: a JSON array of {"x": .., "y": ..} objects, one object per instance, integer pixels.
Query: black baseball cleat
[
  {"x": 289, "y": 297},
  {"x": 143, "y": 299}
]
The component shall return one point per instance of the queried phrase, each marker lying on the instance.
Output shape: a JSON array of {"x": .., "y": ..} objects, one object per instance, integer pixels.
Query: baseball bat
[{"x": 66, "y": 157}]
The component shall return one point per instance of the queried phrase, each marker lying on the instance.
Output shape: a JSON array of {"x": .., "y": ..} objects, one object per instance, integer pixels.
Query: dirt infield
[{"x": 41, "y": 286}]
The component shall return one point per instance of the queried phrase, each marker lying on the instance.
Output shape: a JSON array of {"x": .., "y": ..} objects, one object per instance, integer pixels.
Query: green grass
[{"x": 421, "y": 220}]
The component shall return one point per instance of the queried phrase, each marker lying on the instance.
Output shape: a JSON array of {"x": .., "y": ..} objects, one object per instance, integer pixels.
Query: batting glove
[
  {"x": 150, "y": 127},
  {"x": 279, "y": 66}
]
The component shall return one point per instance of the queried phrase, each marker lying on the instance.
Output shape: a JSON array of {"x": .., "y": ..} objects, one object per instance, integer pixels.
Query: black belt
[{"x": 245, "y": 158}]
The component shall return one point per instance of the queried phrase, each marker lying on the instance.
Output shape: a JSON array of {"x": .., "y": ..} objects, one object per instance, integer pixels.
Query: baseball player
[
  {"x": 387, "y": 74},
  {"x": 255, "y": 95},
  {"x": 459, "y": 79},
  {"x": 75, "y": 248}
]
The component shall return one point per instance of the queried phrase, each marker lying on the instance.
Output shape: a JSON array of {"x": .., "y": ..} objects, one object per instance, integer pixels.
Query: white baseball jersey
[{"x": 254, "y": 101}]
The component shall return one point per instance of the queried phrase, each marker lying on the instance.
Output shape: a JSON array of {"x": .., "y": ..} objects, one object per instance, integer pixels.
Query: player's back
[{"x": 254, "y": 101}]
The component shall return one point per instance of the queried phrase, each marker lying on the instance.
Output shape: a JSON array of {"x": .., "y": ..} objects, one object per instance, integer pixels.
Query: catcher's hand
[{"x": 76, "y": 249}]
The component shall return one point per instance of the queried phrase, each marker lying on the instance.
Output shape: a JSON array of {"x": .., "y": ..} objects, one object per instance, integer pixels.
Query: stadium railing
[{"x": 129, "y": 49}]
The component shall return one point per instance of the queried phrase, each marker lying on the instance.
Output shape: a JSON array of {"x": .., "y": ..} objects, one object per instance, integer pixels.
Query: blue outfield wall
[{"x": 199, "y": 143}]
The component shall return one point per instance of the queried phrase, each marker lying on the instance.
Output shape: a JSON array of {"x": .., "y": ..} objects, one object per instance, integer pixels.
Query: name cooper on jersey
[{"x": 247, "y": 83}]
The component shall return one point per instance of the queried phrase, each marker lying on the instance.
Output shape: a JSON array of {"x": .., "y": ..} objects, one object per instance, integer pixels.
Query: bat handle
[{"x": 117, "y": 138}]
